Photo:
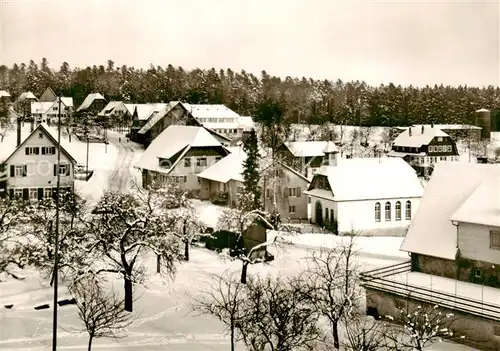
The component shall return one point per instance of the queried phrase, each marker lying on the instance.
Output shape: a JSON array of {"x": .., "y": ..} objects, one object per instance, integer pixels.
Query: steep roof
[
  {"x": 157, "y": 117},
  {"x": 417, "y": 138},
  {"x": 109, "y": 108},
  {"x": 207, "y": 111},
  {"x": 44, "y": 107},
  {"x": 4, "y": 93},
  {"x": 48, "y": 95},
  {"x": 228, "y": 168},
  {"x": 371, "y": 179},
  {"x": 246, "y": 122},
  {"x": 173, "y": 140},
  {"x": 27, "y": 95},
  {"x": 330, "y": 147},
  {"x": 306, "y": 148},
  {"x": 453, "y": 189},
  {"x": 67, "y": 101},
  {"x": 9, "y": 148},
  {"x": 144, "y": 111},
  {"x": 89, "y": 100}
]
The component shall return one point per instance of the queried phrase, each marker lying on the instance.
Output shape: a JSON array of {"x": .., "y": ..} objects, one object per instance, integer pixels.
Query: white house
[
  {"x": 31, "y": 167},
  {"x": 180, "y": 153},
  {"x": 303, "y": 156},
  {"x": 371, "y": 195},
  {"x": 456, "y": 230},
  {"x": 43, "y": 111},
  {"x": 4, "y": 94},
  {"x": 93, "y": 102}
]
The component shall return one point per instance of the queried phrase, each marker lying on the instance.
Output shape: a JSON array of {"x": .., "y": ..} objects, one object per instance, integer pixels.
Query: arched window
[
  {"x": 377, "y": 212},
  {"x": 332, "y": 216},
  {"x": 387, "y": 211},
  {"x": 326, "y": 215},
  {"x": 398, "y": 211},
  {"x": 408, "y": 210}
]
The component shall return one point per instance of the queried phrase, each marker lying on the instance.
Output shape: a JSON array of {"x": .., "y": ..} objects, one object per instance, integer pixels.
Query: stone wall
[
  {"x": 480, "y": 333},
  {"x": 461, "y": 269}
]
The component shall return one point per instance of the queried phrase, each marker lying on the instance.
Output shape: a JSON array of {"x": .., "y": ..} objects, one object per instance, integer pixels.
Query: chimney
[
  {"x": 18, "y": 132},
  {"x": 422, "y": 129},
  {"x": 331, "y": 154},
  {"x": 409, "y": 131}
]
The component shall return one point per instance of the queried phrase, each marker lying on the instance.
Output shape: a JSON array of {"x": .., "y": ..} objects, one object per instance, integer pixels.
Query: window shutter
[
  {"x": 43, "y": 151},
  {"x": 26, "y": 194},
  {"x": 68, "y": 169},
  {"x": 25, "y": 170},
  {"x": 299, "y": 191},
  {"x": 55, "y": 169},
  {"x": 54, "y": 193},
  {"x": 53, "y": 150},
  {"x": 11, "y": 193},
  {"x": 37, "y": 151},
  {"x": 12, "y": 171},
  {"x": 40, "y": 193},
  {"x": 26, "y": 151}
]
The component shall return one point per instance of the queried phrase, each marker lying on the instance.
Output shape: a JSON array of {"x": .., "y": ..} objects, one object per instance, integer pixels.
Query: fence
[{"x": 376, "y": 280}]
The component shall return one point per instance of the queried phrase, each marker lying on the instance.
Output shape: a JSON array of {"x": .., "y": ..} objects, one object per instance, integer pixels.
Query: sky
[{"x": 417, "y": 42}]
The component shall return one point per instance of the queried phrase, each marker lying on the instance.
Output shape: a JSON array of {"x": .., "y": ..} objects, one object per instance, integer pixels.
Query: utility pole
[{"x": 56, "y": 241}]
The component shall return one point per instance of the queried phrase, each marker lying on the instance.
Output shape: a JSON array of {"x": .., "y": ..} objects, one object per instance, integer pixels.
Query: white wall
[
  {"x": 474, "y": 243},
  {"x": 40, "y": 168},
  {"x": 193, "y": 182},
  {"x": 360, "y": 215}
]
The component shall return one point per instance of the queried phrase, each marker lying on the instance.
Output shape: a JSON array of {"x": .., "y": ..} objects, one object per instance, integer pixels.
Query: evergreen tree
[{"x": 250, "y": 199}]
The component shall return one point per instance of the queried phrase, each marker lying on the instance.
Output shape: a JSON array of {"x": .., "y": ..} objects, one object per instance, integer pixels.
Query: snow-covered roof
[
  {"x": 417, "y": 138},
  {"x": 229, "y": 168},
  {"x": 449, "y": 126},
  {"x": 4, "y": 93},
  {"x": 246, "y": 122},
  {"x": 207, "y": 111},
  {"x": 483, "y": 110},
  {"x": 67, "y": 101},
  {"x": 41, "y": 107},
  {"x": 174, "y": 139},
  {"x": 453, "y": 188},
  {"x": 27, "y": 96},
  {"x": 89, "y": 100},
  {"x": 330, "y": 147},
  {"x": 144, "y": 111},
  {"x": 372, "y": 179},
  {"x": 158, "y": 116},
  {"x": 106, "y": 111},
  {"x": 306, "y": 148}
]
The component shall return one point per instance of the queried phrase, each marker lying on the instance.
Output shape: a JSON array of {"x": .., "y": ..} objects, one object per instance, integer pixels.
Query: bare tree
[
  {"x": 364, "y": 334},
  {"x": 128, "y": 225},
  {"x": 365, "y": 133},
  {"x": 225, "y": 299},
  {"x": 101, "y": 312},
  {"x": 280, "y": 316},
  {"x": 333, "y": 286},
  {"x": 188, "y": 227},
  {"x": 421, "y": 327}
]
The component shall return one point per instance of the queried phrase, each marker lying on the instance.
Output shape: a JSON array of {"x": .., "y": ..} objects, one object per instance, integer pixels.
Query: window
[
  {"x": 239, "y": 190},
  {"x": 332, "y": 217},
  {"x": 477, "y": 273},
  {"x": 268, "y": 193},
  {"x": 201, "y": 161},
  {"x": 19, "y": 171},
  {"x": 398, "y": 211},
  {"x": 440, "y": 148},
  {"x": 33, "y": 194},
  {"x": 187, "y": 162},
  {"x": 63, "y": 169},
  {"x": 218, "y": 158},
  {"x": 47, "y": 193},
  {"x": 326, "y": 214},
  {"x": 292, "y": 192},
  {"x": 431, "y": 148},
  {"x": 495, "y": 240},
  {"x": 408, "y": 210},
  {"x": 40, "y": 135},
  {"x": 32, "y": 150},
  {"x": 48, "y": 150},
  {"x": 440, "y": 138},
  {"x": 18, "y": 193},
  {"x": 448, "y": 148},
  {"x": 54, "y": 108},
  {"x": 291, "y": 209},
  {"x": 377, "y": 212},
  {"x": 387, "y": 209}
]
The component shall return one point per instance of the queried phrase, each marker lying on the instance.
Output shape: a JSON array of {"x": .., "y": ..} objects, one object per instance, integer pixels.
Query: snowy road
[{"x": 123, "y": 175}]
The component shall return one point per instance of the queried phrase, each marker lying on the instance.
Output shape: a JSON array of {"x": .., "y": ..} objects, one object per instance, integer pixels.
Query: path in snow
[{"x": 123, "y": 174}]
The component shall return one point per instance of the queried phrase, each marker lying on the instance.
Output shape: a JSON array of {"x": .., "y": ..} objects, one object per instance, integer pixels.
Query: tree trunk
[
  {"x": 158, "y": 264},
  {"x": 335, "y": 332},
  {"x": 244, "y": 273},
  {"x": 232, "y": 335},
  {"x": 186, "y": 250},
  {"x": 90, "y": 343},
  {"x": 128, "y": 294}
]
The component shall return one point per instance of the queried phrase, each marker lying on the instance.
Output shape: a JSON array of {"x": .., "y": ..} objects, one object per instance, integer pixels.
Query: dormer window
[{"x": 164, "y": 163}]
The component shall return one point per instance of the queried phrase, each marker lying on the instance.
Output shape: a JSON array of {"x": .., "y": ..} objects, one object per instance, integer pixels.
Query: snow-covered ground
[{"x": 164, "y": 318}]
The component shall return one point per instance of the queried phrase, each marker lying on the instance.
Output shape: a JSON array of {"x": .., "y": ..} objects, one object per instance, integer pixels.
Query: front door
[{"x": 319, "y": 213}]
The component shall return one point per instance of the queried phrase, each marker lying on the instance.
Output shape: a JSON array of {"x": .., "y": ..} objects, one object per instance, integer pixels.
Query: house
[
  {"x": 181, "y": 153},
  {"x": 22, "y": 105},
  {"x": 456, "y": 131},
  {"x": 422, "y": 147},
  {"x": 141, "y": 113},
  {"x": 282, "y": 191},
  {"x": 460, "y": 215},
  {"x": 94, "y": 102},
  {"x": 371, "y": 195},
  {"x": 30, "y": 168},
  {"x": 4, "y": 94},
  {"x": 174, "y": 113},
  {"x": 223, "y": 181},
  {"x": 223, "y": 234},
  {"x": 43, "y": 112},
  {"x": 303, "y": 156}
]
